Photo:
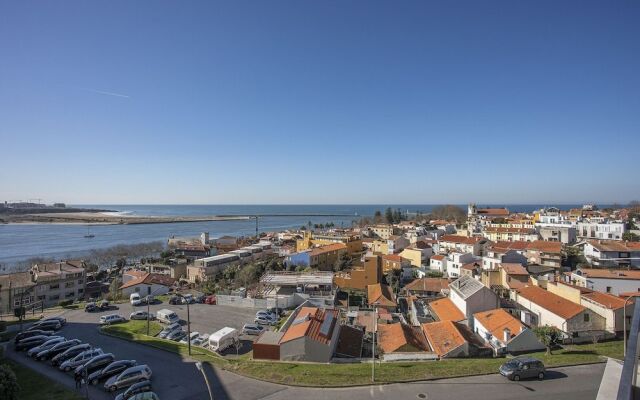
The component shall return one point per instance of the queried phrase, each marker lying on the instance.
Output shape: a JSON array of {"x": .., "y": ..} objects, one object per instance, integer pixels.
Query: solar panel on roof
[{"x": 326, "y": 325}]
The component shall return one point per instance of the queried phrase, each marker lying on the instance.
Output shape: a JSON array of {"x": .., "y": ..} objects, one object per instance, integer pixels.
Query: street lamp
[
  {"x": 624, "y": 323},
  {"x": 201, "y": 369}
]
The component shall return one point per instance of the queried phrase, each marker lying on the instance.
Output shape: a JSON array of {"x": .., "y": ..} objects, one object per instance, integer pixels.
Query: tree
[
  {"x": 388, "y": 215},
  {"x": 343, "y": 262},
  {"x": 9, "y": 388},
  {"x": 549, "y": 336},
  {"x": 377, "y": 217},
  {"x": 573, "y": 257},
  {"x": 393, "y": 279},
  {"x": 631, "y": 237}
]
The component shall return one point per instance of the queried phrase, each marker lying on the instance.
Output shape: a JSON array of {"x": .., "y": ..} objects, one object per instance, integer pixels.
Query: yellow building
[
  {"x": 414, "y": 255},
  {"x": 310, "y": 239}
]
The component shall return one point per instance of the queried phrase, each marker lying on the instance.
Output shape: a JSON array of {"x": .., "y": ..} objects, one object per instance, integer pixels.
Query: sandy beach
[{"x": 98, "y": 218}]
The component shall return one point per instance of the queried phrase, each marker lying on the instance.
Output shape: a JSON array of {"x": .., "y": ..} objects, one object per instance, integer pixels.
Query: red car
[{"x": 210, "y": 299}]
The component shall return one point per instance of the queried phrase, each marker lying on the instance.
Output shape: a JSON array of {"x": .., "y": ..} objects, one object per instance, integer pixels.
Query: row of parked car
[{"x": 85, "y": 361}]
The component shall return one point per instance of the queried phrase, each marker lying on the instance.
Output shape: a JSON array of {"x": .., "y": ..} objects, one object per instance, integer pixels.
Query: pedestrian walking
[{"x": 78, "y": 381}]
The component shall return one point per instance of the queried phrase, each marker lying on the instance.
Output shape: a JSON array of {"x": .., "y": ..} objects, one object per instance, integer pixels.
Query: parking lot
[{"x": 205, "y": 318}]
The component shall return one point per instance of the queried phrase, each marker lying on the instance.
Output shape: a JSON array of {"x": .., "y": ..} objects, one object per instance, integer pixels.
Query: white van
[
  {"x": 167, "y": 316},
  {"x": 224, "y": 338},
  {"x": 135, "y": 299}
]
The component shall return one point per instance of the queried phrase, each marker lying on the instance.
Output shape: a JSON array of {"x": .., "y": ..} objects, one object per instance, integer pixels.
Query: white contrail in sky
[{"x": 107, "y": 93}]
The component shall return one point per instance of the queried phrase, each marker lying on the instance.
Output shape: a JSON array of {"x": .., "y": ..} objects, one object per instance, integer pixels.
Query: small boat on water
[{"x": 89, "y": 235}]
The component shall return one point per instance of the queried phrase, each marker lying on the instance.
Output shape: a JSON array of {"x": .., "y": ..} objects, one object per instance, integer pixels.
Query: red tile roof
[
  {"x": 552, "y": 302},
  {"x": 610, "y": 273},
  {"x": 381, "y": 294},
  {"x": 443, "y": 336},
  {"x": 545, "y": 246},
  {"x": 327, "y": 248},
  {"x": 445, "y": 310},
  {"x": 150, "y": 279},
  {"x": 514, "y": 269},
  {"x": 310, "y": 320},
  {"x": 461, "y": 239},
  {"x": 401, "y": 337},
  {"x": 428, "y": 284},
  {"x": 496, "y": 321},
  {"x": 607, "y": 300}
]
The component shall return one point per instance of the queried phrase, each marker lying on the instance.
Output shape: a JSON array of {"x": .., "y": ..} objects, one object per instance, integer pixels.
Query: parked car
[
  {"x": 523, "y": 368},
  {"x": 111, "y": 319},
  {"x": 128, "y": 377},
  {"x": 79, "y": 359},
  {"x": 134, "y": 298},
  {"x": 95, "y": 364},
  {"x": 188, "y": 299},
  {"x": 276, "y": 311},
  {"x": 145, "y": 396},
  {"x": 201, "y": 340},
  {"x": 265, "y": 313},
  {"x": 149, "y": 299},
  {"x": 53, "y": 340},
  {"x": 264, "y": 320},
  {"x": 69, "y": 353},
  {"x": 176, "y": 335},
  {"x": 200, "y": 298},
  {"x": 252, "y": 329},
  {"x": 28, "y": 334},
  {"x": 110, "y": 370},
  {"x": 103, "y": 305},
  {"x": 194, "y": 336},
  {"x": 210, "y": 300},
  {"x": 29, "y": 343},
  {"x": 175, "y": 300},
  {"x": 142, "y": 315},
  {"x": 167, "y": 316},
  {"x": 135, "y": 389},
  {"x": 170, "y": 328},
  {"x": 90, "y": 307},
  {"x": 46, "y": 325},
  {"x": 57, "y": 349},
  {"x": 60, "y": 319}
]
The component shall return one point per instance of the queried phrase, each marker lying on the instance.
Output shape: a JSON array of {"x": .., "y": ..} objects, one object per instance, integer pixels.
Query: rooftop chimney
[{"x": 507, "y": 334}]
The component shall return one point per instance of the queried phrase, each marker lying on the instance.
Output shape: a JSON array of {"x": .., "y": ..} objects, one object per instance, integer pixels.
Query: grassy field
[
  {"x": 34, "y": 386},
  {"x": 360, "y": 374}
]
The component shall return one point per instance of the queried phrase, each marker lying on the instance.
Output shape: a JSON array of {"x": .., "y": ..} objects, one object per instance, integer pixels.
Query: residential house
[
  {"x": 548, "y": 254},
  {"x": 401, "y": 338},
  {"x": 505, "y": 252},
  {"x": 359, "y": 278},
  {"x": 147, "y": 284},
  {"x": 381, "y": 295},
  {"x": 311, "y": 335},
  {"x": 449, "y": 339},
  {"x": 418, "y": 254},
  {"x": 427, "y": 287},
  {"x": 474, "y": 245},
  {"x": 471, "y": 296},
  {"x": 612, "y": 253},
  {"x": 505, "y": 333},
  {"x": 310, "y": 239},
  {"x": 349, "y": 342},
  {"x": 393, "y": 262},
  {"x": 600, "y": 229},
  {"x": 383, "y": 231},
  {"x": 445, "y": 310},
  {"x": 204, "y": 268},
  {"x": 322, "y": 258},
  {"x": 395, "y": 244},
  {"x": 510, "y": 234},
  {"x": 438, "y": 263},
  {"x": 613, "y": 281},
  {"x": 455, "y": 261},
  {"x": 545, "y": 308},
  {"x": 611, "y": 308}
]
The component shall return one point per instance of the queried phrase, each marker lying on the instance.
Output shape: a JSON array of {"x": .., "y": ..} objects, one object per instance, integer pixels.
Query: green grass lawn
[
  {"x": 34, "y": 386},
  {"x": 360, "y": 374}
]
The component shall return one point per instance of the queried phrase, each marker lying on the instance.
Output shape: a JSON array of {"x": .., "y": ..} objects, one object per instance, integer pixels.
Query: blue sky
[{"x": 319, "y": 102}]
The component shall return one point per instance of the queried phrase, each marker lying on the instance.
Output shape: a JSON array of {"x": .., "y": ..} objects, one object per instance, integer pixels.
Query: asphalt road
[{"x": 176, "y": 378}]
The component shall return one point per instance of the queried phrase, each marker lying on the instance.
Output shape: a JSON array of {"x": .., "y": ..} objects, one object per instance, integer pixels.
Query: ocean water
[{"x": 22, "y": 241}]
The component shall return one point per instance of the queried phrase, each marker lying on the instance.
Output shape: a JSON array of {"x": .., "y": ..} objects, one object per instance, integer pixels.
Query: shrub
[
  {"x": 9, "y": 387},
  {"x": 65, "y": 303}
]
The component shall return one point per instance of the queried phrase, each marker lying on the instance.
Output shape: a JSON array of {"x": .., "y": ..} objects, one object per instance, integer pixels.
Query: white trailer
[{"x": 223, "y": 339}]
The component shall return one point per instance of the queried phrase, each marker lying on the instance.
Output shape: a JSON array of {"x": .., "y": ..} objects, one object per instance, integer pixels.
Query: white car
[
  {"x": 252, "y": 329},
  {"x": 135, "y": 299},
  {"x": 264, "y": 320},
  {"x": 201, "y": 340},
  {"x": 169, "y": 329},
  {"x": 194, "y": 336},
  {"x": 111, "y": 319},
  {"x": 267, "y": 314}
]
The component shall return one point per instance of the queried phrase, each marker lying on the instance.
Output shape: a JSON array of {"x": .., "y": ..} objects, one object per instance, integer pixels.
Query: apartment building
[
  {"x": 44, "y": 285},
  {"x": 600, "y": 229},
  {"x": 612, "y": 253}
]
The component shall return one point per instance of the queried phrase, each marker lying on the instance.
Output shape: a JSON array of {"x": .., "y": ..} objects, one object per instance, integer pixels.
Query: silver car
[
  {"x": 54, "y": 340},
  {"x": 128, "y": 377},
  {"x": 79, "y": 359}
]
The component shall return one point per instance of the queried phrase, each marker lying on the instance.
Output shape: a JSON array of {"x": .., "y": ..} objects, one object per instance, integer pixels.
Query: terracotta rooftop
[
  {"x": 392, "y": 257},
  {"x": 503, "y": 246},
  {"x": 615, "y": 245},
  {"x": 438, "y": 257},
  {"x": 494, "y": 211},
  {"x": 381, "y": 294},
  {"x": 514, "y": 269},
  {"x": 428, "y": 284},
  {"x": 552, "y": 302},
  {"x": 327, "y": 248},
  {"x": 496, "y": 321},
  {"x": 150, "y": 279},
  {"x": 460, "y": 239},
  {"x": 493, "y": 229},
  {"x": 607, "y": 300},
  {"x": 609, "y": 273},
  {"x": 545, "y": 246},
  {"x": 445, "y": 310},
  {"x": 402, "y": 338},
  {"x": 308, "y": 322},
  {"x": 443, "y": 336}
]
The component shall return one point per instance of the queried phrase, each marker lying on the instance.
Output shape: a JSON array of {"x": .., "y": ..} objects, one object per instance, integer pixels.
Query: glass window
[{"x": 586, "y": 318}]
